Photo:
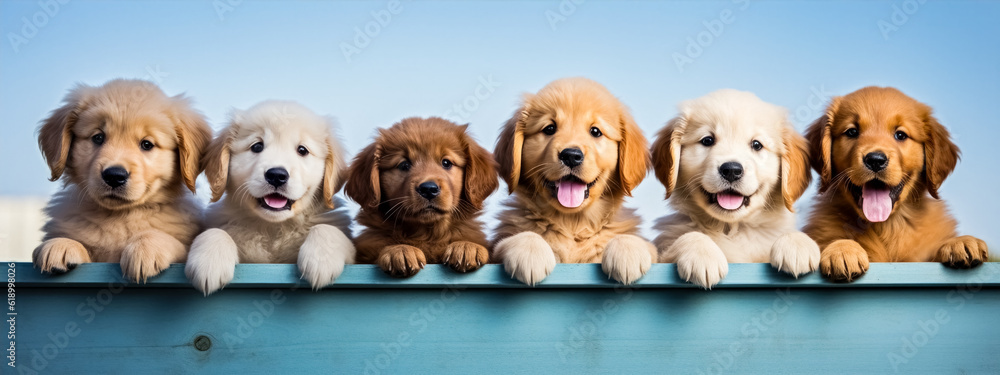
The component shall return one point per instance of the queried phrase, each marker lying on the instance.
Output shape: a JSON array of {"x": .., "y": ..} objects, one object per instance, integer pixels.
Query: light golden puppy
[
  {"x": 125, "y": 152},
  {"x": 279, "y": 165},
  {"x": 733, "y": 166},
  {"x": 570, "y": 155}
]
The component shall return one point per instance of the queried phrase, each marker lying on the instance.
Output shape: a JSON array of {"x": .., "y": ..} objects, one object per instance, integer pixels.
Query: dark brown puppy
[
  {"x": 421, "y": 185},
  {"x": 880, "y": 154}
]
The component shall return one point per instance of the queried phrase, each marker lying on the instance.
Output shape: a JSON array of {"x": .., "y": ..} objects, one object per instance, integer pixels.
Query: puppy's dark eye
[
  {"x": 901, "y": 136},
  {"x": 708, "y": 141},
  {"x": 404, "y": 166},
  {"x": 594, "y": 131},
  {"x": 446, "y": 164},
  {"x": 756, "y": 145},
  {"x": 852, "y": 133},
  {"x": 550, "y": 130},
  {"x": 303, "y": 151},
  {"x": 98, "y": 139},
  {"x": 146, "y": 145},
  {"x": 257, "y": 147}
]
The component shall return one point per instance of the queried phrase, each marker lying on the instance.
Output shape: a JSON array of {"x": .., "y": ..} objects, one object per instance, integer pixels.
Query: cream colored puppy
[
  {"x": 734, "y": 166},
  {"x": 279, "y": 165}
]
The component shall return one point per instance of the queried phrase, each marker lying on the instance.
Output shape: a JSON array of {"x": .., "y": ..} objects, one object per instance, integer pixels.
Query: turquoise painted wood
[{"x": 907, "y": 318}]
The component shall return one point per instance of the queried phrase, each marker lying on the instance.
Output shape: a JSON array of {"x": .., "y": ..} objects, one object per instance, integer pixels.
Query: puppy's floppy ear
[
  {"x": 216, "y": 161},
  {"x": 334, "y": 168},
  {"x": 509, "y": 143},
  {"x": 795, "y": 172},
  {"x": 363, "y": 177},
  {"x": 666, "y": 152},
  {"x": 55, "y": 136},
  {"x": 940, "y": 153},
  {"x": 193, "y": 137},
  {"x": 480, "y": 172},
  {"x": 633, "y": 153},
  {"x": 821, "y": 144}
]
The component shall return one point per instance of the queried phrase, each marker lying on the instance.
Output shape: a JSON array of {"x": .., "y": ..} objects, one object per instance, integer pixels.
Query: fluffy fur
[
  {"x": 536, "y": 231},
  {"x": 145, "y": 223},
  {"x": 245, "y": 228},
  {"x": 918, "y": 228},
  {"x": 688, "y": 155},
  {"x": 406, "y": 230}
]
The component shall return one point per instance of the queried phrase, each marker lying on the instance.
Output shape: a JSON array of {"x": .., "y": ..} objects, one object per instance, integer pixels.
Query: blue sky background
[{"x": 433, "y": 55}]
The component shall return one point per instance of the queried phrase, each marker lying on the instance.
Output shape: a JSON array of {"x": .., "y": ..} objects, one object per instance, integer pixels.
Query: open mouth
[
  {"x": 570, "y": 191},
  {"x": 876, "y": 199},
  {"x": 275, "y": 202},
  {"x": 728, "y": 199}
]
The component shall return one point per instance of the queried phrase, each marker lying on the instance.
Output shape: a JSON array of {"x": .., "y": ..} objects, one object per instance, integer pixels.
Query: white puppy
[
  {"x": 735, "y": 166},
  {"x": 279, "y": 165}
]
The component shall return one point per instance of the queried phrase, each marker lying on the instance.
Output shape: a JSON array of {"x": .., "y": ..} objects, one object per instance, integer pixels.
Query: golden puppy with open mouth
[
  {"x": 279, "y": 165},
  {"x": 570, "y": 155},
  {"x": 733, "y": 166},
  {"x": 127, "y": 154}
]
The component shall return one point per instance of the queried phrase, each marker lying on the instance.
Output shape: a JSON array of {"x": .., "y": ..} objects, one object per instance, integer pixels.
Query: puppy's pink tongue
[
  {"x": 876, "y": 204},
  {"x": 570, "y": 193},
  {"x": 729, "y": 201},
  {"x": 275, "y": 201}
]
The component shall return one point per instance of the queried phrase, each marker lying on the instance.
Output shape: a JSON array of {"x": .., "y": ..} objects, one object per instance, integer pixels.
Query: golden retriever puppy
[
  {"x": 733, "y": 166},
  {"x": 570, "y": 155},
  {"x": 279, "y": 165},
  {"x": 879, "y": 154},
  {"x": 125, "y": 152},
  {"x": 421, "y": 185}
]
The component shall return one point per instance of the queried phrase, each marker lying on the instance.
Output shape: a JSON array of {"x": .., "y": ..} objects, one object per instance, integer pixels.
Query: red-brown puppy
[
  {"x": 881, "y": 157},
  {"x": 421, "y": 185}
]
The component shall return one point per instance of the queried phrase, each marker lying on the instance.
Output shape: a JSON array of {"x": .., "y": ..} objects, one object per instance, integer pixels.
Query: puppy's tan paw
[
  {"x": 526, "y": 257},
  {"x": 150, "y": 253},
  {"x": 963, "y": 252},
  {"x": 795, "y": 254},
  {"x": 627, "y": 258},
  {"x": 323, "y": 255},
  {"x": 59, "y": 255},
  {"x": 212, "y": 261},
  {"x": 699, "y": 260},
  {"x": 465, "y": 256},
  {"x": 401, "y": 260},
  {"x": 843, "y": 261}
]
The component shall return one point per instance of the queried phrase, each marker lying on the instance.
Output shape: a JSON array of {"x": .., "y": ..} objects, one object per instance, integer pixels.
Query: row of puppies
[{"x": 732, "y": 164}]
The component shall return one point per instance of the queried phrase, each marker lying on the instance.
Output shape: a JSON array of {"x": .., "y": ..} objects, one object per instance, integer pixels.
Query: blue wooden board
[{"x": 910, "y": 318}]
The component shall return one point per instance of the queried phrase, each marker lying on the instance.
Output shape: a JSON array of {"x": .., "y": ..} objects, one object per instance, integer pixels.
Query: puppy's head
[
  {"x": 277, "y": 159},
  {"x": 572, "y": 142},
  {"x": 728, "y": 153},
  {"x": 124, "y": 142},
  {"x": 877, "y": 146},
  {"x": 422, "y": 171}
]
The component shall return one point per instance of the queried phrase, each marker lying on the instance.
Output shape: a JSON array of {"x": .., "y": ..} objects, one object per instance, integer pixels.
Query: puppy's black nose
[
  {"x": 571, "y": 157},
  {"x": 731, "y": 171},
  {"x": 428, "y": 190},
  {"x": 114, "y": 176},
  {"x": 876, "y": 161},
  {"x": 276, "y": 176}
]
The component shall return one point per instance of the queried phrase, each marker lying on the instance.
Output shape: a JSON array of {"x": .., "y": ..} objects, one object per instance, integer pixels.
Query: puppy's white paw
[
  {"x": 627, "y": 258},
  {"x": 795, "y": 254},
  {"x": 323, "y": 255},
  {"x": 212, "y": 261},
  {"x": 526, "y": 257},
  {"x": 699, "y": 259}
]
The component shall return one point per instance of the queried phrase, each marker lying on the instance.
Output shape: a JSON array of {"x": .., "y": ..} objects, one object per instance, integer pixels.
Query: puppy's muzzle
[
  {"x": 571, "y": 157},
  {"x": 876, "y": 161},
  {"x": 731, "y": 171},
  {"x": 429, "y": 190},
  {"x": 115, "y": 176},
  {"x": 276, "y": 176}
]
